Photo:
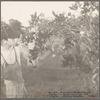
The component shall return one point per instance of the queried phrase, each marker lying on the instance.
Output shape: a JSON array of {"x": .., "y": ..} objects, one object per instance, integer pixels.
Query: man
[
  {"x": 34, "y": 51},
  {"x": 11, "y": 50}
]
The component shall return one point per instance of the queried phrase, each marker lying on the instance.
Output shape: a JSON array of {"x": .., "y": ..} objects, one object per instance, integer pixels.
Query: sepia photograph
[{"x": 50, "y": 49}]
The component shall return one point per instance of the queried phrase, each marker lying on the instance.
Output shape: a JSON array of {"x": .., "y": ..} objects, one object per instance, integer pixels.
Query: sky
[{"x": 22, "y": 10}]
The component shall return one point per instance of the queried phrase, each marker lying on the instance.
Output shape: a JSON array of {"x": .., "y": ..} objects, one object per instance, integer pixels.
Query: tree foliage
[{"x": 87, "y": 38}]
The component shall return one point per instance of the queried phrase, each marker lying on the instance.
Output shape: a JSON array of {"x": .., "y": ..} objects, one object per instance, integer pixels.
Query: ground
[{"x": 50, "y": 77}]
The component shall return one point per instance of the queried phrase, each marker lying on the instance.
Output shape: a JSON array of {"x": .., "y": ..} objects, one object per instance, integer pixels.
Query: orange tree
[{"x": 84, "y": 37}]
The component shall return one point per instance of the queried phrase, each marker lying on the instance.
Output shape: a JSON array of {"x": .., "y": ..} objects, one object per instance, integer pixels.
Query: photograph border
[{"x": 51, "y": 98}]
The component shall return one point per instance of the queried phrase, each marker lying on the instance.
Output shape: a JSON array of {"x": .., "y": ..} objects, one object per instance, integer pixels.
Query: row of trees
[{"x": 79, "y": 38}]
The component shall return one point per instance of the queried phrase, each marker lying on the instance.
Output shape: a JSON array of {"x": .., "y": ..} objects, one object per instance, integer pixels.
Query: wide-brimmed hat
[{"x": 8, "y": 32}]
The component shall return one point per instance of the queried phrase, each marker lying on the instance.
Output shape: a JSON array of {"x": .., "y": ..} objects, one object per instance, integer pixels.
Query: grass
[{"x": 50, "y": 77}]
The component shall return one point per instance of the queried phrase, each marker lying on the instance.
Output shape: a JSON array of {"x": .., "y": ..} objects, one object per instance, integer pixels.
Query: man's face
[
  {"x": 17, "y": 40},
  {"x": 11, "y": 41}
]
